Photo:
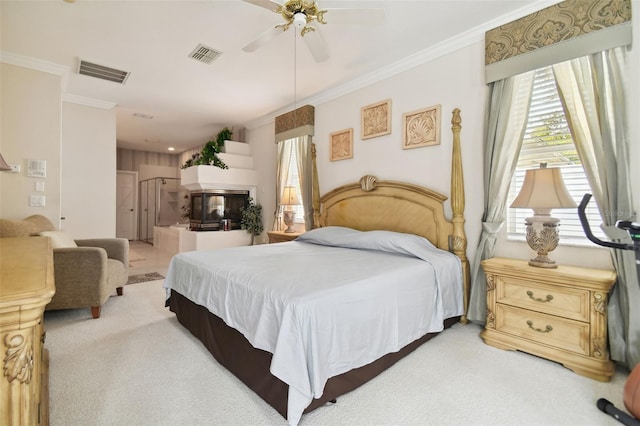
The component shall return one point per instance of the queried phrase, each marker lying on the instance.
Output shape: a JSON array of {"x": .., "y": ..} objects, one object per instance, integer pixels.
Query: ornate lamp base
[
  {"x": 542, "y": 236},
  {"x": 289, "y": 219}
]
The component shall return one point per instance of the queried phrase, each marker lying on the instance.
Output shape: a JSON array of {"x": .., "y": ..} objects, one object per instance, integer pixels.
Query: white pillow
[{"x": 59, "y": 239}]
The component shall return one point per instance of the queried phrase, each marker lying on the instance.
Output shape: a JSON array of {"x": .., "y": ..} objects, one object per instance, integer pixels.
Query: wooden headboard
[
  {"x": 394, "y": 206},
  {"x": 372, "y": 204}
]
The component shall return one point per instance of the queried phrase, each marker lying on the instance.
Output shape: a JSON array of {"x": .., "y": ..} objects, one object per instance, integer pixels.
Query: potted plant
[
  {"x": 251, "y": 218},
  {"x": 224, "y": 135},
  {"x": 209, "y": 154}
]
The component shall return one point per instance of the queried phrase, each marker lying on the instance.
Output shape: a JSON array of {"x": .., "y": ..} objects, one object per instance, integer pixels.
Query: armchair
[
  {"x": 87, "y": 275},
  {"x": 87, "y": 272}
]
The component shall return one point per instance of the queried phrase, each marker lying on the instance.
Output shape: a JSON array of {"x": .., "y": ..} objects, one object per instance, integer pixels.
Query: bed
[{"x": 305, "y": 321}]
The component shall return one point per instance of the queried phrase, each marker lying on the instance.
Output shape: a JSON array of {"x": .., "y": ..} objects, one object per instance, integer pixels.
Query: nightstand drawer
[
  {"x": 546, "y": 329},
  {"x": 556, "y": 300}
]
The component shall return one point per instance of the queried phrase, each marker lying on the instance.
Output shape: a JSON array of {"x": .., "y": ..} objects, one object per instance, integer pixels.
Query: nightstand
[
  {"x": 281, "y": 236},
  {"x": 559, "y": 314}
]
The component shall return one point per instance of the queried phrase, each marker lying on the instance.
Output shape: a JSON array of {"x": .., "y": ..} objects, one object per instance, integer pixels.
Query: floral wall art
[
  {"x": 376, "y": 119},
  {"x": 421, "y": 127},
  {"x": 341, "y": 144}
]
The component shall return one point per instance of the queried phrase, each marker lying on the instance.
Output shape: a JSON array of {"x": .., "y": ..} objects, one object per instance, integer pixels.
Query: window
[
  {"x": 548, "y": 139},
  {"x": 294, "y": 180}
]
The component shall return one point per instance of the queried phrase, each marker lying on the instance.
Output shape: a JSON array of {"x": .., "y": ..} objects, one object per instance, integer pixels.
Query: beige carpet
[{"x": 137, "y": 365}]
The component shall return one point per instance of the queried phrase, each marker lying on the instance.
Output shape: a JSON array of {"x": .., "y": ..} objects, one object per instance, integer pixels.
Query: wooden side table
[
  {"x": 281, "y": 236},
  {"x": 559, "y": 314}
]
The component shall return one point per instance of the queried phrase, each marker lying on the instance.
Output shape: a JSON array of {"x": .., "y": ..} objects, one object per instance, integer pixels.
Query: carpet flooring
[
  {"x": 137, "y": 365},
  {"x": 142, "y": 278}
]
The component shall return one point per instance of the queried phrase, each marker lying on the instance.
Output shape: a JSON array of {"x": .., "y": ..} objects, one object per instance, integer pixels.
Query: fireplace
[{"x": 217, "y": 210}]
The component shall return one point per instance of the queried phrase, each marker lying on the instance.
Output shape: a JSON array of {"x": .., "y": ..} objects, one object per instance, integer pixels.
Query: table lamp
[
  {"x": 543, "y": 189},
  {"x": 289, "y": 198}
]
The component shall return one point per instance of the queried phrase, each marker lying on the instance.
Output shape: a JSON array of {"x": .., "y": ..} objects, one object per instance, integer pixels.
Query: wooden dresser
[
  {"x": 559, "y": 314},
  {"x": 281, "y": 236},
  {"x": 26, "y": 286}
]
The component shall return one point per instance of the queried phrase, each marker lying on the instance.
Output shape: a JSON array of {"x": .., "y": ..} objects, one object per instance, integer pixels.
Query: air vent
[
  {"x": 204, "y": 54},
  {"x": 102, "y": 72},
  {"x": 141, "y": 115}
]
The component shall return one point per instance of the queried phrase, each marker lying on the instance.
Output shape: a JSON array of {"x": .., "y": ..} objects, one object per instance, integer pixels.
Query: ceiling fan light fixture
[
  {"x": 299, "y": 20},
  {"x": 299, "y": 13}
]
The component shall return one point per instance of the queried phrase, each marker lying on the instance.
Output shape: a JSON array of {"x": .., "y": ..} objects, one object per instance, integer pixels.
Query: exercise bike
[{"x": 632, "y": 386}]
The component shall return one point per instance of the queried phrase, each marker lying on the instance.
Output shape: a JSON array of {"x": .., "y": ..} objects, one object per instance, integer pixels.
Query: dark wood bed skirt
[{"x": 231, "y": 349}]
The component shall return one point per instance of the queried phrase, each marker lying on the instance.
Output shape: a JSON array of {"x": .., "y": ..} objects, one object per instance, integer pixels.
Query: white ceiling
[{"x": 191, "y": 101}]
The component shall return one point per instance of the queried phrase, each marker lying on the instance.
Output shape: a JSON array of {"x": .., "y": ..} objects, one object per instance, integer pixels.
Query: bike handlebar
[{"x": 587, "y": 229}]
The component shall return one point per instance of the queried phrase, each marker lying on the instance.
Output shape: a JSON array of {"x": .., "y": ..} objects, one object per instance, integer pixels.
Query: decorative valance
[
  {"x": 567, "y": 30},
  {"x": 299, "y": 122}
]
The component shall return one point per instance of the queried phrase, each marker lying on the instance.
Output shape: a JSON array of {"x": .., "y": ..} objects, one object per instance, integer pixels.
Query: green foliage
[
  {"x": 209, "y": 154},
  {"x": 224, "y": 135},
  {"x": 251, "y": 218}
]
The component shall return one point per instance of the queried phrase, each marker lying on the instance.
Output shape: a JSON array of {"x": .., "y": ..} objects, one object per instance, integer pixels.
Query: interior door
[{"x": 126, "y": 205}]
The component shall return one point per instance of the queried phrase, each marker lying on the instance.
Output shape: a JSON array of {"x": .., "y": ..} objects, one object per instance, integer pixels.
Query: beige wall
[
  {"x": 264, "y": 151},
  {"x": 88, "y": 171},
  {"x": 30, "y": 129},
  {"x": 453, "y": 80},
  {"x": 78, "y": 144}
]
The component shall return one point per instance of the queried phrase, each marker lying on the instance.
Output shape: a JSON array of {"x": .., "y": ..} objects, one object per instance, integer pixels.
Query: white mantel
[{"x": 196, "y": 178}]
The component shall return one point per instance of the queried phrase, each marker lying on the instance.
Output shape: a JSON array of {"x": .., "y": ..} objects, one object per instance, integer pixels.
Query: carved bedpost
[
  {"x": 315, "y": 187},
  {"x": 459, "y": 238}
]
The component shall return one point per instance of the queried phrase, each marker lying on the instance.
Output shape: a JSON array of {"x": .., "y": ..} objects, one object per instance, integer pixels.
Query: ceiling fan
[{"x": 305, "y": 15}]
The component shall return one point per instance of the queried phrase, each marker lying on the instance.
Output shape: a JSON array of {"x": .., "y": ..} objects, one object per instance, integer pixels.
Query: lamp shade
[
  {"x": 289, "y": 196},
  {"x": 3, "y": 165},
  {"x": 544, "y": 188}
]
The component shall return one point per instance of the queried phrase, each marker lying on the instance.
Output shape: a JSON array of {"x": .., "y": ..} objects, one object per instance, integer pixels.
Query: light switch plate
[
  {"x": 15, "y": 168},
  {"x": 40, "y": 186},
  {"x": 37, "y": 201}
]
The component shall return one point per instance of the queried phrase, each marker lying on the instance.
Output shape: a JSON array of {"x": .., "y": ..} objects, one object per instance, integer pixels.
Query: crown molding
[
  {"x": 56, "y": 69},
  {"x": 446, "y": 47},
  {"x": 32, "y": 63},
  {"x": 83, "y": 100}
]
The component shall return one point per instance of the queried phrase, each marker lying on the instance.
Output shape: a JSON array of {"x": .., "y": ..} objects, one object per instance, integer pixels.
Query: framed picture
[
  {"x": 421, "y": 127},
  {"x": 341, "y": 144},
  {"x": 376, "y": 119}
]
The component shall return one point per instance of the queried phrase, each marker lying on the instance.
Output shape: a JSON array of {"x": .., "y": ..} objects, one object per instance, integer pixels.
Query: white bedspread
[{"x": 322, "y": 310}]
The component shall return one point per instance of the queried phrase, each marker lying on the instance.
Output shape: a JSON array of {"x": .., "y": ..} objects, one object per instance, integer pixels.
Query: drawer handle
[
  {"x": 549, "y": 297},
  {"x": 539, "y": 330}
]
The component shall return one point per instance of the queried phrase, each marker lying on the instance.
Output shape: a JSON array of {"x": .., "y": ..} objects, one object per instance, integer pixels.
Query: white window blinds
[{"x": 548, "y": 140}]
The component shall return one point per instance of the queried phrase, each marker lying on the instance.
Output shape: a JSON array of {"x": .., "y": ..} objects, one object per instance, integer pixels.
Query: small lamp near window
[
  {"x": 543, "y": 189},
  {"x": 289, "y": 198},
  {"x": 4, "y": 167}
]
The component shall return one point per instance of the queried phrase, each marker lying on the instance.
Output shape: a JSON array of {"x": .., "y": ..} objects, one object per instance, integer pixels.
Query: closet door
[{"x": 126, "y": 204}]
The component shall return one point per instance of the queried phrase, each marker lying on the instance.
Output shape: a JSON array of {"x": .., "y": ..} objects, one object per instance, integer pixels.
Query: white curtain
[
  {"x": 592, "y": 89},
  {"x": 282, "y": 177},
  {"x": 505, "y": 125},
  {"x": 301, "y": 148},
  {"x": 305, "y": 174}
]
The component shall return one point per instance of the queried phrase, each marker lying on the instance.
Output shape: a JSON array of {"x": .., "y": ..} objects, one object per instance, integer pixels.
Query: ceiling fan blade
[
  {"x": 316, "y": 44},
  {"x": 355, "y": 16},
  {"x": 267, "y": 4},
  {"x": 263, "y": 39}
]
